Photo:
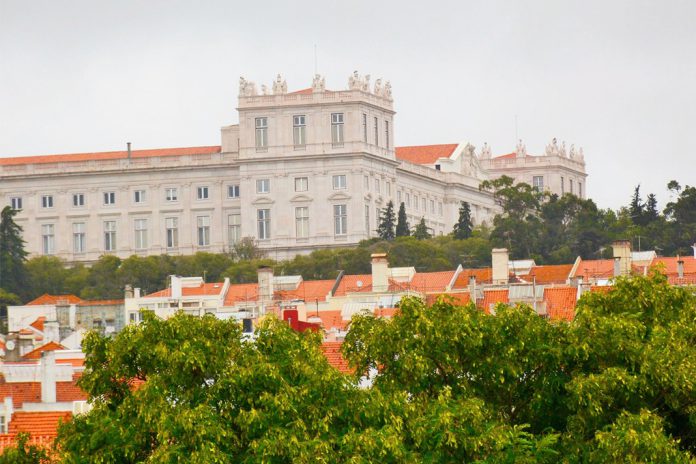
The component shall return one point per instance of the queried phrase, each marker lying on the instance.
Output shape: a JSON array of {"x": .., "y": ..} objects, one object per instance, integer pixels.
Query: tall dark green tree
[
  {"x": 385, "y": 230},
  {"x": 651, "y": 211},
  {"x": 463, "y": 228},
  {"x": 402, "y": 227},
  {"x": 421, "y": 231},
  {"x": 637, "y": 209},
  {"x": 12, "y": 253}
]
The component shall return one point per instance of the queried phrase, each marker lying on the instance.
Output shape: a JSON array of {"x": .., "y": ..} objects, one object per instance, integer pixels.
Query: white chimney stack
[
  {"x": 500, "y": 260},
  {"x": 265, "y": 279},
  {"x": 622, "y": 257},
  {"x": 680, "y": 267},
  {"x": 51, "y": 331},
  {"x": 48, "y": 377},
  {"x": 176, "y": 286},
  {"x": 380, "y": 272}
]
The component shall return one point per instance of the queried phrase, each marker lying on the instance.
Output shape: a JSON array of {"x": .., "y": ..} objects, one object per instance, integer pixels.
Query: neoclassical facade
[{"x": 301, "y": 171}]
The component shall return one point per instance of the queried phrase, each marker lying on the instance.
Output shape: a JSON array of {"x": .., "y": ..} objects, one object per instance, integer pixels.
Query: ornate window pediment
[
  {"x": 263, "y": 201},
  {"x": 301, "y": 199},
  {"x": 338, "y": 196}
]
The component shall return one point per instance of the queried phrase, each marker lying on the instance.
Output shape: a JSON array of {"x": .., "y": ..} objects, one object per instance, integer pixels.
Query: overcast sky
[{"x": 615, "y": 77}]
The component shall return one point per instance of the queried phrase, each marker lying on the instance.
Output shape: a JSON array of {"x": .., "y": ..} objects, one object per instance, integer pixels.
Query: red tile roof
[
  {"x": 349, "y": 283},
  {"x": 492, "y": 297},
  {"x": 560, "y": 302},
  {"x": 431, "y": 281},
  {"x": 332, "y": 351},
  {"x": 30, "y": 392},
  {"x": 597, "y": 268},
  {"x": 483, "y": 275},
  {"x": 425, "y": 154},
  {"x": 47, "y": 299},
  {"x": 329, "y": 319},
  {"x": 109, "y": 155},
  {"x": 507, "y": 156},
  {"x": 36, "y": 353},
  {"x": 213, "y": 288},
  {"x": 42, "y": 441},
  {"x": 670, "y": 265},
  {"x": 240, "y": 293},
  {"x": 308, "y": 291},
  {"x": 38, "y": 423},
  {"x": 38, "y": 324},
  {"x": 550, "y": 274}
]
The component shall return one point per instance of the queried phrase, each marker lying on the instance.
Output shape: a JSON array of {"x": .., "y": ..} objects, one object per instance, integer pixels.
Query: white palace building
[{"x": 301, "y": 171}]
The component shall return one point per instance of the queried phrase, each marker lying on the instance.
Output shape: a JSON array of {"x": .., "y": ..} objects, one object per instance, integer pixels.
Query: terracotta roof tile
[
  {"x": 38, "y": 324},
  {"x": 332, "y": 351},
  {"x": 109, "y": 155},
  {"x": 213, "y": 288},
  {"x": 431, "y": 281},
  {"x": 308, "y": 291},
  {"x": 100, "y": 302},
  {"x": 483, "y": 275},
  {"x": 549, "y": 274},
  {"x": 36, "y": 353},
  {"x": 425, "y": 154},
  {"x": 38, "y": 423},
  {"x": 238, "y": 293},
  {"x": 560, "y": 302},
  {"x": 329, "y": 319},
  {"x": 47, "y": 299},
  {"x": 493, "y": 297}
]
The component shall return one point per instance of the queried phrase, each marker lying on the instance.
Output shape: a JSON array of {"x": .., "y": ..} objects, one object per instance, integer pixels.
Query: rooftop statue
[
  {"x": 378, "y": 87},
  {"x": 521, "y": 149},
  {"x": 354, "y": 81},
  {"x": 279, "y": 86},
  {"x": 318, "y": 83},
  {"x": 552, "y": 148},
  {"x": 246, "y": 88},
  {"x": 387, "y": 90},
  {"x": 485, "y": 151}
]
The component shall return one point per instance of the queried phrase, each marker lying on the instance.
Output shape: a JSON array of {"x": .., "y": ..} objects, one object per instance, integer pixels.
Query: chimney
[
  {"x": 472, "y": 287},
  {"x": 136, "y": 292},
  {"x": 48, "y": 377},
  {"x": 9, "y": 410},
  {"x": 265, "y": 278},
  {"x": 680, "y": 268},
  {"x": 380, "y": 272},
  {"x": 129, "y": 150},
  {"x": 51, "y": 331},
  {"x": 175, "y": 286},
  {"x": 622, "y": 257},
  {"x": 128, "y": 291},
  {"x": 500, "y": 260}
]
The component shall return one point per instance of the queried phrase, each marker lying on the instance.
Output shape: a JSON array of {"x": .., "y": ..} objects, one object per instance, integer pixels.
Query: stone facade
[{"x": 301, "y": 171}]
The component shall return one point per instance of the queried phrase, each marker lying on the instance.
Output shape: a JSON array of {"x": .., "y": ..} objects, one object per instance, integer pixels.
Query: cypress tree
[
  {"x": 402, "y": 227},
  {"x": 421, "y": 232},
  {"x": 385, "y": 230},
  {"x": 463, "y": 227},
  {"x": 12, "y": 253}
]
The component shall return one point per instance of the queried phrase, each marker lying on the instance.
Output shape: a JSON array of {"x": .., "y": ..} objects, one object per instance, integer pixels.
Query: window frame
[
  {"x": 261, "y": 132},
  {"x": 203, "y": 192},
  {"x": 47, "y": 201},
  {"x": 263, "y": 223},
  {"x": 110, "y": 235},
  {"x": 337, "y": 129},
  {"x": 299, "y": 130},
  {"x": 79, "y": 235},
  {"x": 203, "y": 231},
  {"x": 171, "y": 232},
  {"x": 302, "y": 222},
  {"x": 339, "y": 181},
  {"x": 234, "y": 189},
  {"x": 340, "y": 219},
  {"x": 299, "y": 181},
  {"x": 48, "y": 239},
  {"x": 109, "y": 198},
  {"x": 16, "y": 203},
  {"x": 140, "y": 234},
  {"x": 171, "y": 194},
  {"x": 260, "y": 183}
]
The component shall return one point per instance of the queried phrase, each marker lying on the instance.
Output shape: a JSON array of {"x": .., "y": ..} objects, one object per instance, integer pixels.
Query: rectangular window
[
  {"x": 234, "y": 228},
  {"x": 415, "y": 202},
  {"x": 140, "y": 234},
  {"x": 263, "y": 218},
  {"x": 367, "y": 182},
  {"x": 389, "y": 189},
  {"x": 16, "y": 202},
  {"x": 203, "y": 223},
  {"x": 302, "y": 222},
  {"x": 171, "y": 225},
  {"x": 48, "y": 239},
  {"x": 367, "y": 219},
  {"x": 109, "y": 235},
  {"x": 109, "y": 198},
  {"x": 202, "y": 193},
  {"x": 571, "y": 185},
  {"x": 398, "y": 196},
  {"x": 364, "y": 127},
  {"x": 299, "y": 127},
  {"x": 233, "y": 191},
  {"x": 386, "y": 134},
  {"x": 580, "y": 189},
  {"x": 378, "y": 215},
  {"x": 408, "y": 200},
  {"x": 139, "y": 196},
  {"x": 337, "y": 128},
  {"x": 339, "y": 182},
  {"x": 263, "y": 185},
  {"x": 376, "y": 131},
  {"x": 171, "y": 194},
  {"x": 423, "y": 205},
  {"x": 47, "y": 201},
  {"x": 301, "y": 184},
  {"x": 562, "y": 185},
  {"x": 439, "y": 208},
  {"x": 78, "y": 199},
  {"x": 538, "y": 183},
  {"x": 377, "y": 186},
  {"x": 79, "y": 237},
  {"x": 432, "y": 206},
  {"x": 261, "y": 132},
  {"x": 340, "y": 220}
]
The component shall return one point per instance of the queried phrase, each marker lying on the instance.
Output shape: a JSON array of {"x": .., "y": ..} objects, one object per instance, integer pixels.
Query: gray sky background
[{"x": 615, "y": 77}]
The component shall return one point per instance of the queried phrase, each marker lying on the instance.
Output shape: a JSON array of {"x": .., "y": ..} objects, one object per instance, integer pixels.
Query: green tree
[
  {"x": 103, "y": 281},
  {"x": 13, "y": 276},
  {"x": 651, "y": 211},
  {"x": 247, "y": 249},
  {"x": 637, "y": 208},
  {"x": 403, "y": 229},
  {"x": 463, "y": 227},
  {"x": 46, "y": 274},
  {"x": 6, "y": 299},
  {"x": 421, "y": 231},
  {"x": 385, "y": 229}
]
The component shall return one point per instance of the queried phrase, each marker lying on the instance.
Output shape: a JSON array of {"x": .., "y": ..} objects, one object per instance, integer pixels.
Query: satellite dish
[
  {"x": 359, "y": 283},
  {"x": 10, "y": 345}
]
